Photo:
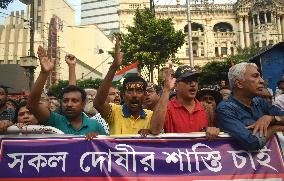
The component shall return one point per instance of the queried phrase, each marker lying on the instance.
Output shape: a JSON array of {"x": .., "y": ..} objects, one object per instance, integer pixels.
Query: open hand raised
[
  {"x": 118, "y": 56},
  {"x": 45, "y": 63},
  {"x": 169, "y": 81}
]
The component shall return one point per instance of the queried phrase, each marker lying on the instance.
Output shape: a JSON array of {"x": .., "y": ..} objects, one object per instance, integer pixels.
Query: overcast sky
[{"x": 17, "y": 5}]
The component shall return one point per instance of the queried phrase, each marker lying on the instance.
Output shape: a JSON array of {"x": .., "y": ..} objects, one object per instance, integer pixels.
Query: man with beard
[
  {"x": 72, "y": 120},
  {"x": 130, "y": 117},
  {"x": 184, "y": 113},
  {"x": 246, "y": 117}
]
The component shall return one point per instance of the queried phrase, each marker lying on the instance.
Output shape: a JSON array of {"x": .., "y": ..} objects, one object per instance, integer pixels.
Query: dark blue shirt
[
  {"x": 233, "y": 117},
  {"x": 8, "y": 114}
]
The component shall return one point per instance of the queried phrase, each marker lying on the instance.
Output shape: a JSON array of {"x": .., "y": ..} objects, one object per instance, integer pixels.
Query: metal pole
[
  {"x": 32, "y": 53},
  {"x": 152, "y": 6},
  {"x": 32, "y": 28},
  {"x": 190, "y": 53}
]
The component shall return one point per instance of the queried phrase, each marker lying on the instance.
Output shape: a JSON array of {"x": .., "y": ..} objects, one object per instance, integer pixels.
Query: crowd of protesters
[{"x": 246, "y": 109}]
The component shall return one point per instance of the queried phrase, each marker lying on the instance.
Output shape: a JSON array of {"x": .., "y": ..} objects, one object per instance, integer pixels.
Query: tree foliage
[
  {"x": 244, "y": 54},
  {"x": 57, "y": 88},
  {"x": 4, "y": 3},
  {"x": 151, "y": 41},
  {"x": 215, "y": 71},
  {"x": 84, "y": 84},
  {"x": 89, "y": 83}
]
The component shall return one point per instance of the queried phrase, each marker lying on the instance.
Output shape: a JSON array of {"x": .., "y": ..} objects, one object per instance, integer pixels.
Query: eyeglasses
[{"x": 187, "y": 79}]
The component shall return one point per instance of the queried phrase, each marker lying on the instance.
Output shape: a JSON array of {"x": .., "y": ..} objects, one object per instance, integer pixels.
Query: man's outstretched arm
[
  {"x": 102, "y": 93},
  {"x": 41, "y": 112},
  {"x": 159, "y": 115},
  {"x": 71, "y": 61}
]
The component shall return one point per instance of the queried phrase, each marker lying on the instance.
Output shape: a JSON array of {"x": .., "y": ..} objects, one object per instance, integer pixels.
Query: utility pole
[
  {"x": 32, "y": 28},
  {"x": 152, "y": 6},
  {"x": 30, "y": 62},
  {"x": 190, "y": 53}
]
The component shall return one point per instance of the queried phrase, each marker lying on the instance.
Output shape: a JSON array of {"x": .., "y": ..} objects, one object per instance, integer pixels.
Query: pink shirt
[{"x": 179, "y": 120}]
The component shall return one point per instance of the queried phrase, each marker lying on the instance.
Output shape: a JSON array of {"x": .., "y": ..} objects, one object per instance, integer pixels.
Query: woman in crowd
[{"x": 23, "y": 116}]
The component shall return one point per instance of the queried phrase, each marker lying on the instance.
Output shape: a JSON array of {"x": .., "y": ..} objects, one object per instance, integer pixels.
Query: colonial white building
[{"x": 217, "y": 29}]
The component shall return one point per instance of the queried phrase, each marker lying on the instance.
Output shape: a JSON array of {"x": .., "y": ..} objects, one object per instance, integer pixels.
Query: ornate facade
[{"x": 218, "y": 29}]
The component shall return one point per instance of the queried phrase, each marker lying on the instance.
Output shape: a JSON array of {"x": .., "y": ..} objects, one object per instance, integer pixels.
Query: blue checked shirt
[{"x": 7, "y": 114}]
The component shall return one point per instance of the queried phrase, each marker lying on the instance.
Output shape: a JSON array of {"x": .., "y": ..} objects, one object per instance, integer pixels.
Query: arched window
[
  {"x": 194, "y": 27},
  {"x": 223, "y": 27}
]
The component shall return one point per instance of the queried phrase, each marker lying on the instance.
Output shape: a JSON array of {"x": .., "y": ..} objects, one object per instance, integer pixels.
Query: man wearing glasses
[{"x": 184, "y": 113}]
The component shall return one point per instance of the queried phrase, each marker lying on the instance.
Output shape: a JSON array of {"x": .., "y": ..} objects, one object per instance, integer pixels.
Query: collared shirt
[
  {"x": 180, "y": 120},
  {"x": 88, "y": 125},
  {"x": 7, "y": 114},
  {"x": 233, "y": 117},
  {"x": 122, "y": 122}
]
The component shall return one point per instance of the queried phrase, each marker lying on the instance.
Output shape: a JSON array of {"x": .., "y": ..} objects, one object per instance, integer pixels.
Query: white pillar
[
  {"x": 219, "y": 51},
  {"x": 279, "y": 28},
  {"x": 206, "y": 41},
  {"x": 241, "y": 32},
  {"x": 258, "y": 21},
  {"x": 247, "y": 33},
  {"x": 265, "y": 18},
  {"x": 282, "y": 28},
  {"x": 229, "y": 47}
]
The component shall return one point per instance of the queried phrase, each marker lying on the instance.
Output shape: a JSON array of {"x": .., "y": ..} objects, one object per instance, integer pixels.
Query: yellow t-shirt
[{"x": 121, "y": 122}]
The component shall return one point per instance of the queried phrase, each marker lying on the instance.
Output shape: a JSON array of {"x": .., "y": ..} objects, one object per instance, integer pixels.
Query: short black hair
[
  {"x": 74, "y": 88},
  {"x": 50, "y": 93},
  {"x": 134, "y": 78},
  {"x": 20, "y": 105},
  {"x": 158, "y": 89},
  {"x": 5, "y": 88}
]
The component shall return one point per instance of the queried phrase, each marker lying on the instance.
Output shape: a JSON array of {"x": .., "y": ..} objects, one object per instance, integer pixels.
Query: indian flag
[{"x": 126, "y": 71}]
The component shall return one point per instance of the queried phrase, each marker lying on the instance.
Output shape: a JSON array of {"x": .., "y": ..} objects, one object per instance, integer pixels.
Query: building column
[
  {"x": 258, "y": 21},
  {"x": 229, "y": 48},
  {"x": 241, "y": 32},
  {"x": 247, "y": 33},
  {"x": 265, "y": 18},
  {"x": 279, "y": 28},
  {"x": 219, "y": 51},
  {"x": 282, "y": 24}
]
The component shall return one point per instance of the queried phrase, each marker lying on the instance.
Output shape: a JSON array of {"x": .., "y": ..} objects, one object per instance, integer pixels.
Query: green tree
[
  {"x": 89, "y": 83},
  {"x": 84, "y": 84},
  {"x": 215, "y": 71},
  {"x": 244, "y": 54},
  {"x": 151, "y": 41},
  {"x": 57, "y": 88}
]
